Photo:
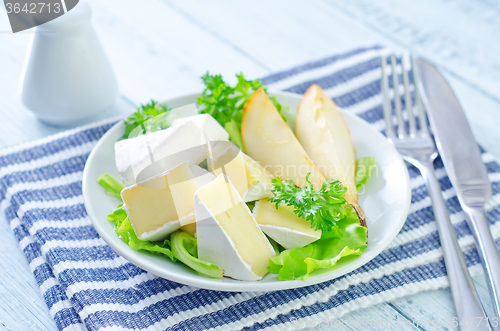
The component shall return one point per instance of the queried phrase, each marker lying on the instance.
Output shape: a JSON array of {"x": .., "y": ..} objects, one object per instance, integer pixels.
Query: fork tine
[
  {"x": 422, "y": 116},
  {"x": 408, "y": 102},
  {"x": 386, "y": 103},
  {"x": 397, "y": 99}
]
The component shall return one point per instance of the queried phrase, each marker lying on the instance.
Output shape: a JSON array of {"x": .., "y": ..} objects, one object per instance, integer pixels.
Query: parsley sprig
[
  {"x": 323, "y": 208},
  {"x": 144, "y": 118}
]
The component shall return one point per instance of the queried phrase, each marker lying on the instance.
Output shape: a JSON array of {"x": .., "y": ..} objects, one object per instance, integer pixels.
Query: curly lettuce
[{"x": 298, "y": 263}]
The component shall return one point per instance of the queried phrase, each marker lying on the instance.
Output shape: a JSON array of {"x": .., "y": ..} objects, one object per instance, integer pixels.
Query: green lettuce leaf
[
  {"x": 181, "y": 246},
  {"x": 364, "y": 169},
  {"x": 298, "y": 263},
  {"x": 185, "y": 249},
  {"x": 126, "y": 232},
  {"x": 112, "y": 186}
]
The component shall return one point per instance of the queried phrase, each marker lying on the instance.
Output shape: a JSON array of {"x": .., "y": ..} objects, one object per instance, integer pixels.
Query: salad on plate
[{"x": 237, "y": 187}]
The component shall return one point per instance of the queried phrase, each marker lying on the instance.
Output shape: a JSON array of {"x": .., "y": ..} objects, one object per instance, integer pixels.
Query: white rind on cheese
[
  {"x": 162, "y": 204},
  {"x": 212, "y": 128},
  {"x": 283, "y": 225},
  {"x": 163, "y": 231},
  {"x": 146, "y": 156},
  {"x": 256, "y": 192},
  {"x": 217, "y": 245},
  {"x": 288, "y": 238}
]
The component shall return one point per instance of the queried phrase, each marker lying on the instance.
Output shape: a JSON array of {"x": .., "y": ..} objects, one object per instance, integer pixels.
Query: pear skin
[
  {"x": 270, "y": 141},
  {"x": 322, "y": 131}
]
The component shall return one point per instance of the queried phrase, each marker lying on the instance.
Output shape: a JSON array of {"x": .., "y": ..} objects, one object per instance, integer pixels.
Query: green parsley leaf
[
  {"x": 146, "y": 119},
  {"x": 323, "y": 208}
]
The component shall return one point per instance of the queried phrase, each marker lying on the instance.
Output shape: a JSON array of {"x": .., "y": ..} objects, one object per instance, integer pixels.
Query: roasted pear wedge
[
  {"x": 270, "y": 141},
  {"x": 322, "y": 131}
]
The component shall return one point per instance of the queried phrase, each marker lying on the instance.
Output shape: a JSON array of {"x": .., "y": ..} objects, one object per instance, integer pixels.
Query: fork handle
[
  {"x": 467, "y": 304},
  {"x": 488, "y": 252}
]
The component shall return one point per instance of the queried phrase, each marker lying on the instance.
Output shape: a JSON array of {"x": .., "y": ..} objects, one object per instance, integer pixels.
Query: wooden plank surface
[{"x": 160, "y": 48}]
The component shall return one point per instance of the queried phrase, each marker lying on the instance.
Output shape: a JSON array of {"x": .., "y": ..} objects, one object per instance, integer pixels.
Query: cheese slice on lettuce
[
  {"x": 350, "y": 238},
  {"x": 283, "y": 225},
  {"x": 227, "y": 233},
  {"x": 162, "y": 204}
]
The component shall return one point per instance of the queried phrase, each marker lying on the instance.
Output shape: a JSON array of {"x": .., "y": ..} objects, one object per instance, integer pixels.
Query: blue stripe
[
  {"x": 75, "y": 254},
  {"x": 124, "y": 272},
  {"x": 9, "y": 214},
  {"x": 53, "y": 147},
  {"x": 313, "y": 65},
  {"x": 42, "y": 273},
  {"x": 132, "y": 295},
  {"x": 54, "y": 295},
  {"x": 55, "y": 170},
  {"x": 358, "y": 95},
  {"x": 66, "y": 317},
  {"x": 80, "y": 233},
  {"x": 55, "y": 214},
  {"x": 49, "y": 194},
  {"x": 339, "y": 77},
  {"x": 32, "y": 251}
]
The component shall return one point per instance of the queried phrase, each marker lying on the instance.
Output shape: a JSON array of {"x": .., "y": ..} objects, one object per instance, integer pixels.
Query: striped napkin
[{"x": 87, "y": 285}]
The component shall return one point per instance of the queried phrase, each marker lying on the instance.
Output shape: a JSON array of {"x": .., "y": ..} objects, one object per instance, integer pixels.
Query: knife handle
[
  {"x": 464, "y": 293},
  {"x": 488, "y": 252}
]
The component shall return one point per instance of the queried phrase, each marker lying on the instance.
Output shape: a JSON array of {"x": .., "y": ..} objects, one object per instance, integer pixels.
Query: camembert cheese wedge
[
  {"x": 227, "y": 232},
  {"x": 282, "y": 225},
  {"x": 162, "y": 204},
  {"x": 213, "y": 130},
  {"x": 143, "y": 157}
]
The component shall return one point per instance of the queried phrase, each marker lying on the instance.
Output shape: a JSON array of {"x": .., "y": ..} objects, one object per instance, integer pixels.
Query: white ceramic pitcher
[{"x": 67, "y": 77}]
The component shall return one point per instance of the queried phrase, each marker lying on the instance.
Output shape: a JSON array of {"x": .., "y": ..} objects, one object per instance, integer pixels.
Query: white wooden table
[{"x": 160, "y": 48}]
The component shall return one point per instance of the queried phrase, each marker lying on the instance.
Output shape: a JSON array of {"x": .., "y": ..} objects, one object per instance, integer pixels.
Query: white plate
[{"x": 386, "y": 202}]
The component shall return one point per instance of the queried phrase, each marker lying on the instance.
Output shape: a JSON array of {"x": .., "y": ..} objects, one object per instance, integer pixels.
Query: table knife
[{"x": 462, "y": 160}]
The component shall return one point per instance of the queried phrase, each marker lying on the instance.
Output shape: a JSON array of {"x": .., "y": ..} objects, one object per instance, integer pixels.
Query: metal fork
[{"x": 417, "y": 146}]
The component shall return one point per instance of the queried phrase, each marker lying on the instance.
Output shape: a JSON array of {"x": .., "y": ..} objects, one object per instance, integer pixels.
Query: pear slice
[
  {"x": 323, "y": 133},
  {"x": 270, "y": 141}
]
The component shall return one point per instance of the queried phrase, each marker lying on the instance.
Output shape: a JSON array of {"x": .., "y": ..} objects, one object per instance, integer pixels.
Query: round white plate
[{"x": 385, "y": 201}]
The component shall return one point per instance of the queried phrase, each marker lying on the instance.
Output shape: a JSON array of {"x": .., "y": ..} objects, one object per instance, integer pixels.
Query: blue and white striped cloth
[{"x": 87, "y": 285}]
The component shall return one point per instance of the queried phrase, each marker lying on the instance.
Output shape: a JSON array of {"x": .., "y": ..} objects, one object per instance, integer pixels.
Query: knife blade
[{"x": 462, "y": 160}]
